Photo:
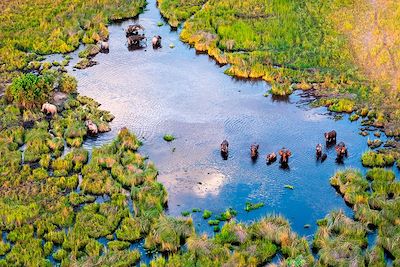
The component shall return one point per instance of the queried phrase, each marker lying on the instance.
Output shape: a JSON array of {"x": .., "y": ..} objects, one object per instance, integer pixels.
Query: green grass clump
[
  {"x": 253, "y": 206},
  {"x": 281, "y": 89},
  {"x": 334, "y": 239},
  {"x": 169, "y": 137},
  {"x": 227, "y": 215},
  {"x": 185, "y": 213},
  {"x": 68, "y": 84},
  {"x": 343, "y": 105},
  {"x": 60, "y": 254},
  {"x": 4, "y": 248},
  {"x": 207, "y": 214},
  {"x": 376, "y": 159},
  {"x": 176, "y": 11},
  {"x": 168, "y": 234},
  {"x": 351, "y": 185},
  {"x": 196, "y": 210},
  {"x": 129, "y": 230},
  {"x": 118, "y": 245},
  {"x": 213, "y": 222},
  {"x": 354, "y": 117},
  {"x": 90, "y": 51}
]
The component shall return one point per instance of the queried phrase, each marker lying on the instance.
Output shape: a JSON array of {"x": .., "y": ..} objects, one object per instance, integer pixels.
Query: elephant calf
[
  {"x": 254, "y": 151},
  {"x": 224, "y": 149},
  {"x": 270, "y": 158},
  {"x": 156, "y": 41}
]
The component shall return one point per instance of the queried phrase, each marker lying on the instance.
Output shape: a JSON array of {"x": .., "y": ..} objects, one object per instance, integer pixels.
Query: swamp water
[{"x": 176, "y": 91}]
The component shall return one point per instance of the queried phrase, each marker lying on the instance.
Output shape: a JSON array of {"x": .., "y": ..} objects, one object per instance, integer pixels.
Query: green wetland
[{"x": 158, "y": 192}]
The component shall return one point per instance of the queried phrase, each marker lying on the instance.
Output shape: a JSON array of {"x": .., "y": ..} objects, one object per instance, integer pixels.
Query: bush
[
  {"x": 343, "y": 105},
  {"x": 281, "y": 89},
  {"x": 68, "y": 84},
  {"x": 29, "y": 90},
  {"x": 375, "y": 159}
]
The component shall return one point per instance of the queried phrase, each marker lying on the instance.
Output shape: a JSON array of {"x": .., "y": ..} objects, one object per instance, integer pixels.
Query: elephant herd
[
  {"x": 136, "y": 39},
  {"x": 285, "y": 154}
]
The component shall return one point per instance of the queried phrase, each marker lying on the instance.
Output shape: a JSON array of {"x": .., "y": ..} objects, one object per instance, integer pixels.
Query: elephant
[
  {"x": 341, "y": 150},
  {"x": 270, "y": 158},
  {"x": 330, "y": 136},
  {"x": 133, "y": 30},
  {"x": 135, "y": 40},
  {"x": 254, "y": 151},
  {"x": 92, "y": 127},
  {"x": 156, "y": 41},
  {"x": 49, "y": 108},
  {"x": 104, "y": 47},
  {"x": 318, "y": 150},
  {"x": 285, "y": 154},
  {"x": 224, "y": 149}
]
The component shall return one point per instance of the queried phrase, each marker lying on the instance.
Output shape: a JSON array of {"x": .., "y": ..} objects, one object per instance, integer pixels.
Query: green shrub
[
  {"x": 375, "y": 159},
  {"x": 343, "y": 105},
  {"x": 68, "y": 84},
  {"x": 281, "y": 89},
  {"x": 29, "y": 90}
]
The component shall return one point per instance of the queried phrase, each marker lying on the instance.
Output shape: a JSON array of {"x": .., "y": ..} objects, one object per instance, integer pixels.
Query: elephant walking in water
[
  {"x": 224, "y": 149},
  {"x": 270, "y": 158},
  {"x": 330, "y": 136},
  {"x": 285, "y": 154},
  {"x": 254, "y": 151},
  {"x": 156, "y": 41},
  {"x": 341, "y": 150}
]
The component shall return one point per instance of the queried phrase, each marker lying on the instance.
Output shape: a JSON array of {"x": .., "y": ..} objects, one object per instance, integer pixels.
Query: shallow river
[{"x": 176, "y": 91}]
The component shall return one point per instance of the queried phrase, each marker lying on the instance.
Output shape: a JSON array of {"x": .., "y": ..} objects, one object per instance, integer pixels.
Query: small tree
[{"x": 29, "y": 90}]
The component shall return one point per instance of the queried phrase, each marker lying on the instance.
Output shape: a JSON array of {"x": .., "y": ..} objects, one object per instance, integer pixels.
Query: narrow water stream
[{"x": 176, "y": 91}]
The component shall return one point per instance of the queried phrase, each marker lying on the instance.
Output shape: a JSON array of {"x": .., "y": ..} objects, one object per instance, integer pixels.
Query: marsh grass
[
  {"x": 377, "y": 159},
  {"x": 376, "y": 208},
  {"x": 253, "y": 206}
]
